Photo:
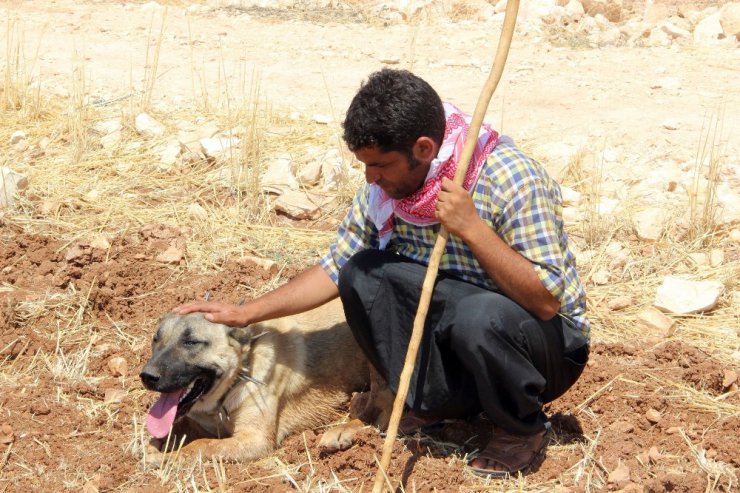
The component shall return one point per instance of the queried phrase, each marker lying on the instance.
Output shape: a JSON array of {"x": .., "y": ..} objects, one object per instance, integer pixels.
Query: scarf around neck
[{"x": 419, "y": 207}]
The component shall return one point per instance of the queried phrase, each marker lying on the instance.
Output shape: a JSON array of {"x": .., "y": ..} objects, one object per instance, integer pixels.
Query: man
[{"x": 506, "y": 330}]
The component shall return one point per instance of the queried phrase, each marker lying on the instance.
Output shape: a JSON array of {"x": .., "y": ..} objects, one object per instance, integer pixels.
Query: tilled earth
[{"x": 70, "y": 419}]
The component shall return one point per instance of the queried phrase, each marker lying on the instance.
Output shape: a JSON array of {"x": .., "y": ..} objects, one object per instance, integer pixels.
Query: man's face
[{"x": 392, "y": 171}]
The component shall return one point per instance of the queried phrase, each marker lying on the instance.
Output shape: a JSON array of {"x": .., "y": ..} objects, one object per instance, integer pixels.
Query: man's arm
[
  {"x": 514, "y": 275},
  {"x": 311, "y": 288}
]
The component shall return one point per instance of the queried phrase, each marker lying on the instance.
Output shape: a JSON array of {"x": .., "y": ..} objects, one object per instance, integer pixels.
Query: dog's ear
[{"x": 243, "y": 335}]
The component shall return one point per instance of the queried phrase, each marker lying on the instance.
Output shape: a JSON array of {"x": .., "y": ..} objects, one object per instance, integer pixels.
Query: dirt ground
[{"x": 660, "y": 408}]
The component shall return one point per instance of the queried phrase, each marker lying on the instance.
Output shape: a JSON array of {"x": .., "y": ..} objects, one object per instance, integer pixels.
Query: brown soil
[{"x": 65, "y": 433}]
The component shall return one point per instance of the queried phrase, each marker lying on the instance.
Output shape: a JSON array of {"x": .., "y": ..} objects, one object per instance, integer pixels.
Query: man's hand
[
  {"x": 220, "y": 313},
  {"x": 455, "y": 208}
]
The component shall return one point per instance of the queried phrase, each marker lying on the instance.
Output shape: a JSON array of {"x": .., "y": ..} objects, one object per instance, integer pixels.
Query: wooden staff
[{"x": 507, "y": 32}]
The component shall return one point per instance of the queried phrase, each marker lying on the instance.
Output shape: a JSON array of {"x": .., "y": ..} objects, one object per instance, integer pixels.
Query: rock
[
  {"x": 620, "y": 477},
  {"x": 214, "y": 147},
  {"x": 301, "y": 205},
  {"x": 197, "y": 211},
  {"x": 148, "y": 126},
  {"x": 674, "y": 31},
  {"x": 729, "y": 378},
  {"x": 118, "y": 366},
  {"x": 716, "y": 257},
  {"x": 653, "y": 416},
  {"x": 622, "y": 427},
  {"x": 570, "y": 196},
  {"x": 653, "y": 318},
  {"x": 173, "y": 255},
  {"x": 279, "y": 177},
  {"x": 311, "y": 173},
  {"x": 620, "y": 303},
  {"x": 108, "y": 126},
  {"x": 17, "y": 136},
  {"x": 709, "y": 31},
  {"x": 667, "y": 83},
  {"x": 10, "y": 184},
  {"x": 729, "y": 19},
  {"x": 654, "y": 455},
  {"x": 114, "y": 396},
  {"x": 263, "y": 263},
  {"x": 654, "y": 13},
  {"x": 601, "y": 277},
  {"x": 111, "y": 140},
  {"x": 6, "y": 434},
  {"x": 649, "y": 224},
  {"x": 682, "y": 296},
  {"x": 100, "y": 243},
  {"x": 611, "y": 9},
  {"x": 322, "y": 119},
  {"x": 574, "y": 10},
  {"x": 700, "y": 259},
  {"x": 169, "y": 153},
  {"x": 670, "y": 124}
]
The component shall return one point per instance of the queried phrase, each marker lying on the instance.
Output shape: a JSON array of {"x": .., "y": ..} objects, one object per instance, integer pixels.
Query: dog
[{"x": 236, "y": 393}]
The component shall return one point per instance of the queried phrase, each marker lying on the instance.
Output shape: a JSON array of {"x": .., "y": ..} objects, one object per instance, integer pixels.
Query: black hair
[{"x": 392, "y": 109}]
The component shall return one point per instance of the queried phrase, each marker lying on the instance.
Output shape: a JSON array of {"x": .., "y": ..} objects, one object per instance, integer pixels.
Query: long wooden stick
[{"x": 507, "y": 32}]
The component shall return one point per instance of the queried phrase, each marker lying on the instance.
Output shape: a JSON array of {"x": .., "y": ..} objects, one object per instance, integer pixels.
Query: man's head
[{"x": 395, "y": 125}]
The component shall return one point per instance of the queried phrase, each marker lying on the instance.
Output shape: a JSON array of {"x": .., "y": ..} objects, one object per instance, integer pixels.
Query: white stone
[
  {"x": 322, "y": 119},
  {"x": 214, "y": 147},
  {"x": 667, "y": 83},
  {"x": 601, "y": 277},
  {"x": 311, "y": 173},
  {"x": 570, "y": 197},
  {"x": 709, "y": 32},
  {"x": 148, "y": 126},
  {"x": 197, "y": 211},
  {"x": 674, "y": 31},
  {"x": 111, "y": 140},
  {"x": 151, "y": 7},
  {"x": 653, "y": 318},
  {"x": 620, "y": 476},
  {"x": 650, "y": 223},
  {"x": 729, "y": 19},
  {"x": 716, "y": 257},
  {"x": 10, "y": 183},
  {"x": 572, "y": 215},
  {"x": 279, "y": 176},
  {"x": 169, "y": 153},
  {"x": 108, "y": 126},
  {"x": 17, "y": 136},
  {"x": 682, "y": 296},
  {"x": 574, "y": 10},
  {"x": 299, "y": 204},
  {"x": 670, "y": 124}
]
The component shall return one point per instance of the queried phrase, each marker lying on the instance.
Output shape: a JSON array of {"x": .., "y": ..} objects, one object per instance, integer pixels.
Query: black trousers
[{"x": 480, "y": 351}]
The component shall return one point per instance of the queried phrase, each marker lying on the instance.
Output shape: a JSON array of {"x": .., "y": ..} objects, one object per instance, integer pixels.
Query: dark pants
[{"x": 480, "y": 350}]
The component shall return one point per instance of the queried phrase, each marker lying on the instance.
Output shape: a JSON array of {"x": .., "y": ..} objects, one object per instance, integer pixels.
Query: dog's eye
[{"x": 192, "y": 343}]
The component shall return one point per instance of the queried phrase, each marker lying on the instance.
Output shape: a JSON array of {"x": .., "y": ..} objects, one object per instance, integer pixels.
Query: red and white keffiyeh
[{"x": 419, "y": 207}]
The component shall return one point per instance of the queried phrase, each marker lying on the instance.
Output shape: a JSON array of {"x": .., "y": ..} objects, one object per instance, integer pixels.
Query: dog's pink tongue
[{"x": 162, "y": 414}]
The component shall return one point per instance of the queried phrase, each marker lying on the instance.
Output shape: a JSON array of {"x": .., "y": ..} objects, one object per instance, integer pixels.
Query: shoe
[
  {"x": 508, "y": 454},
  {"x": 412, "y": 423}
]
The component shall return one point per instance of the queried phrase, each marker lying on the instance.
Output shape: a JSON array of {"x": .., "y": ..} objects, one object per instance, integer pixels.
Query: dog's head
[{"x": 192, "y": 360}]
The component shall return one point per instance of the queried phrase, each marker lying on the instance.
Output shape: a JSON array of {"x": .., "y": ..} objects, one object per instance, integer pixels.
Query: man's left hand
[{"x": 455, "y": 208}]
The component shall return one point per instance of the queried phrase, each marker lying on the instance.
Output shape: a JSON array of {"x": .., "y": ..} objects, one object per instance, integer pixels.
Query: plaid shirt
[{"x": 516, "y": 197}]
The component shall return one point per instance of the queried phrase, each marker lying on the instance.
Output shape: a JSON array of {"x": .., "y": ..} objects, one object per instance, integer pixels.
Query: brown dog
[{"x": 238, "y": 392}]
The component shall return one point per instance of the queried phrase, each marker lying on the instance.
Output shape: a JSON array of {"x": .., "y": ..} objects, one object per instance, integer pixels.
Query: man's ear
[{"x": 425, "y": 149}]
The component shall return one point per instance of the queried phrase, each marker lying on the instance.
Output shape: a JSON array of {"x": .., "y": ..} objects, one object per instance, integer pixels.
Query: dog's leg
[
  {"x": 243, "y": 446},
  {"x": 373, "y": 407}
]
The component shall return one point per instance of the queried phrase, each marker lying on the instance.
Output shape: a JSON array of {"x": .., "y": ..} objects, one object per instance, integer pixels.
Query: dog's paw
[{"x": 340, "y": 437}]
